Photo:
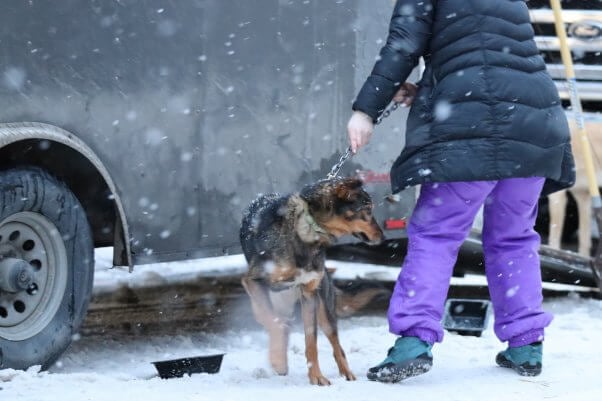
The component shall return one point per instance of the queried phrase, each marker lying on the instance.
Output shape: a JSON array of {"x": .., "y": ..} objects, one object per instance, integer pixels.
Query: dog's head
[{"x": 342, "y": 207}]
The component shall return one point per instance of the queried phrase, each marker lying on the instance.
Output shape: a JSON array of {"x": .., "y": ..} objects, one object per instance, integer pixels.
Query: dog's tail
[{"x": 349, "y": 303}]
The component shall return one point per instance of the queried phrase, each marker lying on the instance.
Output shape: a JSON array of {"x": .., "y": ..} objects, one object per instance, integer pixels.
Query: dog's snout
[
  {"x": 376, "y": 240},
  {"x": 379, "y": 234},
  {"x": 370, "y": 233}
]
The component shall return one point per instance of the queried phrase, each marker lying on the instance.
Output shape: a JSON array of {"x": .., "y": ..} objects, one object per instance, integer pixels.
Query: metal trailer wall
[{"x": 197, "y": 106}]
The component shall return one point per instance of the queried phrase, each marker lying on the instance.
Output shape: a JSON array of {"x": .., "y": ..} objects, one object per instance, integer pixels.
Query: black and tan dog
[{"x": 284, "y": 239}]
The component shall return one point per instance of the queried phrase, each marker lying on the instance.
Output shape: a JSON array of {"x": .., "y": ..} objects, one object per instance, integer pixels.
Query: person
[{"x": 485, "y": 128}]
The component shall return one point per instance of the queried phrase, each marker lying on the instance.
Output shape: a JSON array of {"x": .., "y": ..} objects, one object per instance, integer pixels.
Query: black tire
[{"x": 30, "y": 189}]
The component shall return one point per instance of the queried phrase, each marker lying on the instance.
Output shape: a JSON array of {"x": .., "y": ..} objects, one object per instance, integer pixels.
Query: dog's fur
[
  {"x": 557, "y": 201},
  {"x": 284, "y": 240}
]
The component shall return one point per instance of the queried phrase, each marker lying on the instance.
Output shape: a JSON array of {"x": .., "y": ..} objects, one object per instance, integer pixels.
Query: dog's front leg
[
  {"x": 327, "y": 320},
  {"x": 328, "y": 323},
  {"x": 309, "y": 309},
  {"x": 557, "y": 207},
  {"x": 277, "y": 328}
]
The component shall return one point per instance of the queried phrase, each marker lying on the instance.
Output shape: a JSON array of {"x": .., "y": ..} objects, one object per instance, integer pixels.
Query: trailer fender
[{"x": 11, "y": 133}]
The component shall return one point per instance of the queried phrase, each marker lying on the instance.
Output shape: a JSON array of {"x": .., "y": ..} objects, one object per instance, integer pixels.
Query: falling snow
[
  {"x": 443, "y": 110},
  {"x": 423, "y": 172},
  {"x": 14, "y": 78},
  {"x": 512, "y": 291}
]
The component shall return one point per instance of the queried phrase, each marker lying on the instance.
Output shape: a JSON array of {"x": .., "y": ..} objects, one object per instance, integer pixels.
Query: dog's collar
[
  {"x": 314, "y": 224},
  {"x": 313, "y": 231}
]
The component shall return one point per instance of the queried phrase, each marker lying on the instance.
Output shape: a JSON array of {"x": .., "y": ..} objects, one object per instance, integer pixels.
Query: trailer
[{"x": 148, "y": 126}]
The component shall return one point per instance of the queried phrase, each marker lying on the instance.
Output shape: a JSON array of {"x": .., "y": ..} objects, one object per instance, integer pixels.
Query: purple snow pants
[{"x": 441, "y": 221}]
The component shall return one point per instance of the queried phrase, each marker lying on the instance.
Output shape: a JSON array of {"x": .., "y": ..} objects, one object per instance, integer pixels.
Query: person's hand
[
  {"x": 359, "y": 130},
  {"x": 406, "y": 94}
]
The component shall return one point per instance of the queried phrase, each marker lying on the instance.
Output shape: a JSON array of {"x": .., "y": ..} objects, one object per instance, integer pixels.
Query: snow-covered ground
[{"x": 107, "y": 368}]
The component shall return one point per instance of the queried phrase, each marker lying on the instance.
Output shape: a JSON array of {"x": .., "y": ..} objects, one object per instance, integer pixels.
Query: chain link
[
  {"x": 334, "y": 171},
  {"x": 392, "y": 107}
]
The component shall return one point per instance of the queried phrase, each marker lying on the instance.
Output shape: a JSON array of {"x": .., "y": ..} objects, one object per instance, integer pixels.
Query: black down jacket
[{"x": 486, "y": 108}]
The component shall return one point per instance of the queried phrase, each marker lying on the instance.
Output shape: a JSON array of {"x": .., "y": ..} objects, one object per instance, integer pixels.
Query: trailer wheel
[{"x": 46, "y": 267}]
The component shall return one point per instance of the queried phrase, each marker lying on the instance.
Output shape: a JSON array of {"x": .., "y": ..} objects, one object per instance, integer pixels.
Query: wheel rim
[{"x": 32, "y": 237}]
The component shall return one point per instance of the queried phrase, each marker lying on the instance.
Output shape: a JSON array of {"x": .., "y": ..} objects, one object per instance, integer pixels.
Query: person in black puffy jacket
[{"x": 485, "y": 128}]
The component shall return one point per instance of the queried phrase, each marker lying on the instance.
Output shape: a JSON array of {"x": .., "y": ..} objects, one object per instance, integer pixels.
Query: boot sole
[
  {"x": 523, "y": 370},
  {"x": 395, "y": 373}
]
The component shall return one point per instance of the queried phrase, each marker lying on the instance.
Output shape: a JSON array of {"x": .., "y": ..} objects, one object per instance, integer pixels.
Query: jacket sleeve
[{"x": 408, "y": 39}]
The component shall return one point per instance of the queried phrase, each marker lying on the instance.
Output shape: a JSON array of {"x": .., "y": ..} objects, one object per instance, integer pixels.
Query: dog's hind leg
[
  {"x": 557, "y": 206},
  {"x": 277, "y": 328},
  {"x": 283, "y": 303},
  {"x": 327, "y": 319},
  {"x": 309, "y": 308}
]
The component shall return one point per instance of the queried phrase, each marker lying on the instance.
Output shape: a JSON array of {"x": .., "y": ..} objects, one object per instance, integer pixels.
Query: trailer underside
[{"x": 557, "y": 266}]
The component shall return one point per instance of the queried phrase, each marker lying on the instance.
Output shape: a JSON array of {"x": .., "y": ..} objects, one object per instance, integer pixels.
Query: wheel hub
[
  {"x": 15, "y": 275},
  {"x": 33, "y": 274}
]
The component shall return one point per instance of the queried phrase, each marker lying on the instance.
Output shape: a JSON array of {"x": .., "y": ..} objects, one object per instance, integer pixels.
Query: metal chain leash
[{"x": 334, "y": 171}]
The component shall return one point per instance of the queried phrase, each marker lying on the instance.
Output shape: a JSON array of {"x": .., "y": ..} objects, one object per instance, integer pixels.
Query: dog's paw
[
  {"x": 347, "y": 374},
  {"x": 279, "y": 364},
  {"x": 281, "y": 370},
  {"x": 278, "y": 350},
  {"x": 318, "y": 379}
]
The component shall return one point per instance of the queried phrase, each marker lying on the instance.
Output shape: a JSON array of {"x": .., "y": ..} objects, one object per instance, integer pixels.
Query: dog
[
  {"x": 580, "y": 191},
  {"x": 284, "y": 239}
]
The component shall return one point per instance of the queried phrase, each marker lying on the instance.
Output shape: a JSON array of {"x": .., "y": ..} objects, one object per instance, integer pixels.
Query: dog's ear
[{"x": 346, "y": 188}]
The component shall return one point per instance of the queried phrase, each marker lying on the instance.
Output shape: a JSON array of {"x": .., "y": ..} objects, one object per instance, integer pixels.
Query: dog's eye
[
  {"x": 363, "y": 207},
  {"x": 350, "y": 214},
  {"x": 366, "y": 215}
]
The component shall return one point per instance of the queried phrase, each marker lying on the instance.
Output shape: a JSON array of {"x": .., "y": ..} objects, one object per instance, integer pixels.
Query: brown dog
[
  {"x": 284, "y": 240},
  {"x": 558, "y": 200}
]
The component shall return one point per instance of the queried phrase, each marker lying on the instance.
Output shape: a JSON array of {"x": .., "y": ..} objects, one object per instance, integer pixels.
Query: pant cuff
[
  {"x": 527, "y": 338},
  {"x": 425, "y": 335}
]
